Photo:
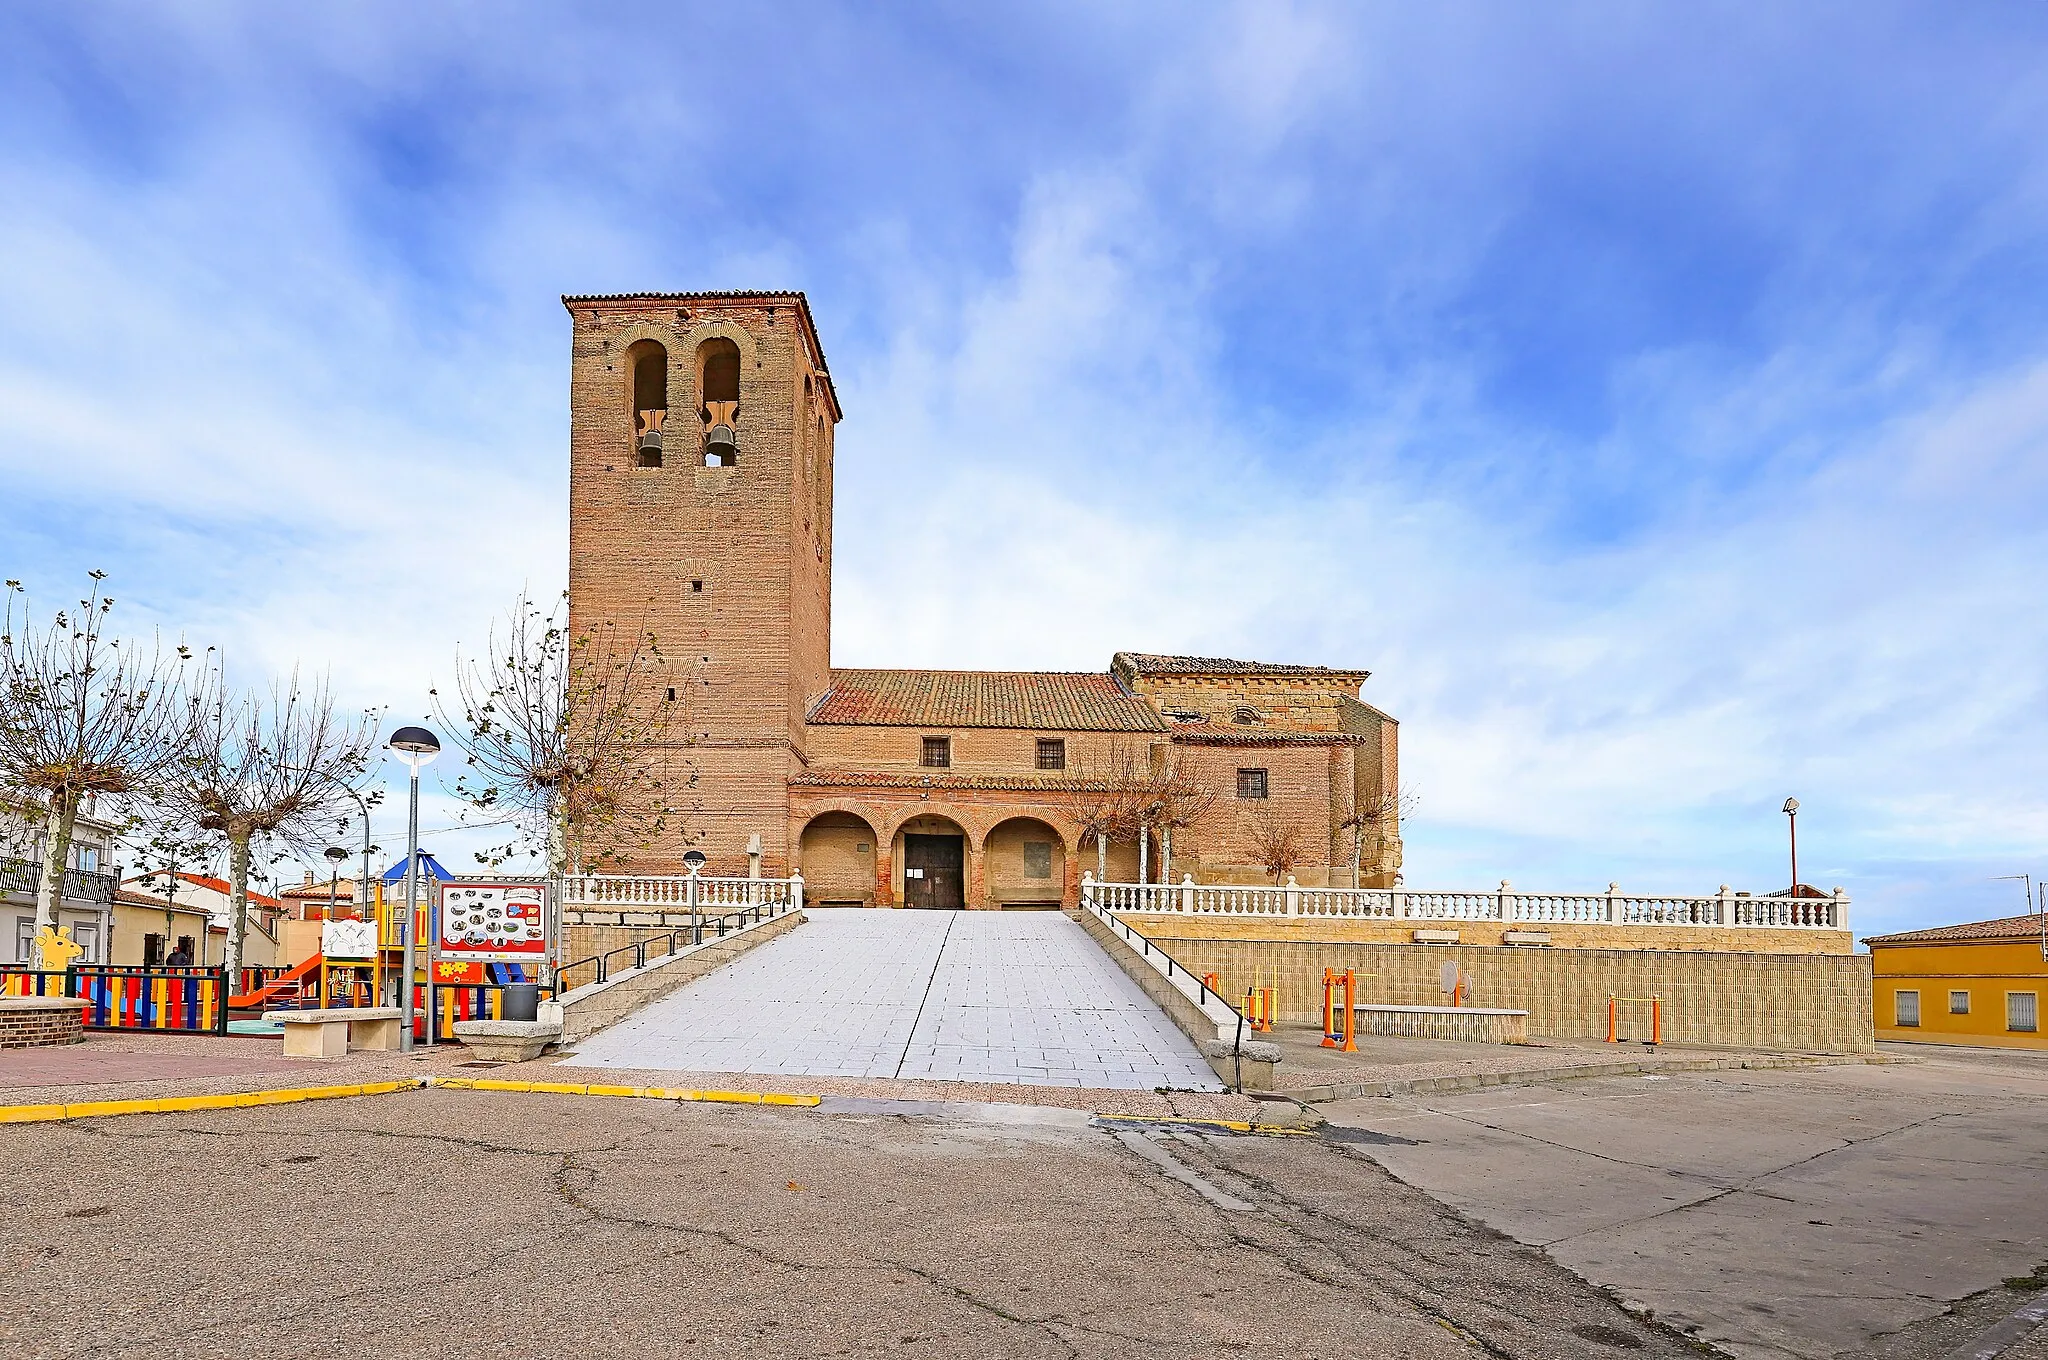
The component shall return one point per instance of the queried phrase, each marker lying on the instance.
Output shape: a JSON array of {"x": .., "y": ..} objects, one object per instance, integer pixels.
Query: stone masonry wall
[
  {"x": 1801, "y": 1003},
  {"x": 1327, "y": 930}
]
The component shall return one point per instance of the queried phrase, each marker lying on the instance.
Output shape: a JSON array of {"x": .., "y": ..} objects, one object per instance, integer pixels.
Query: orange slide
[{"x": 285, "y": 988}]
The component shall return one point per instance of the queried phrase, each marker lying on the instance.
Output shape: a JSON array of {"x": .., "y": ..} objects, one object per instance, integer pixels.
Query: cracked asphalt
[
  {"x": 1867, "y": 1211},
  {"x": 451, "y": 1223}
]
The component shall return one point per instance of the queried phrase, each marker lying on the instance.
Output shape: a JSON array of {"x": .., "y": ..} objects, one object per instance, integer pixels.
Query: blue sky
[{"x": 1654, "y": 398}]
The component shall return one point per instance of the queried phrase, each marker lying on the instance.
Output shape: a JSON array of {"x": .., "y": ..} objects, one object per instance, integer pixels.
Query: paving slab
[
  {"x": 1815, "y": 1212},
  {"x": 1023, "y": 998}
]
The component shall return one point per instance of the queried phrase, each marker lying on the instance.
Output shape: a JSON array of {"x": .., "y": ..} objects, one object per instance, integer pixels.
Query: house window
[
  {"x": 24, "y": 938},
  {"x": 2022, "y": 1012},
  {"x": 1958, "y": 1003},
  {"x": 87, "y": 938},
  {"x": 1052, "y": 753},
  {"x": 1038, "y": 859},
  {"x": 1906, "y": 1009},
  {"x": 85, "y": 858},
  {"x": 938, "y": 753},
  {"x": 1251, "y": 783}
]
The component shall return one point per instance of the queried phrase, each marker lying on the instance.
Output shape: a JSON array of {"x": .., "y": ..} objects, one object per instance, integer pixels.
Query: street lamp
[
  {"x": 417, "y": 747},
  {"x": 1791, "y": 810},
  {"x": 335, "y": 855},
  {"x": 693, "y": 860}
]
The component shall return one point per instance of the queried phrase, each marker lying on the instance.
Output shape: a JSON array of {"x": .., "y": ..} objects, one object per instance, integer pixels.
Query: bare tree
[
  {"x": 1108, "y": 801},
  {"x": 569, "y": 738},
  {"x": 261, "y": 773},
  {"x": 1178, "y": 799},
  {"x": 83, "y": 719},
  {"x": 1276, "y": 845},
  {"x": 1377, "y": 814}
]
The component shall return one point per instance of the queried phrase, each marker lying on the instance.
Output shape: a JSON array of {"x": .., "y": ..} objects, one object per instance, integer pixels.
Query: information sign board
[{"x": 496, "y": 921}]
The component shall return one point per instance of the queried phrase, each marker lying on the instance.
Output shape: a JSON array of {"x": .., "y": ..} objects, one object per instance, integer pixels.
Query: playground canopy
[{"x": 430, "y": 871}]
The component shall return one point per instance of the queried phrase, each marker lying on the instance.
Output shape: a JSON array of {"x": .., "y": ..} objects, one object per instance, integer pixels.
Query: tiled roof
[
  {"x": 1152, "y": 663},
  {"x": 219, "y": 885},
  {"x": 136, "y": 899},
  {"x": 1255, "y": 736},
  {"x": 1047, "y": 701},
  {"x": 2003, "y": 928}
]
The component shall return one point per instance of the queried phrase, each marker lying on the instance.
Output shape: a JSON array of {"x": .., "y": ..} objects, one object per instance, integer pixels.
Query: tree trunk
[
  {"x": 1357, "y": 842},
  {"x": 1144, "y": 845},
  {"x": 1101, "y": 857},
  {"x": 1166, "y": 854},
  {"x": 58, "y": 822},
  {"x": 238, "y": 898}
]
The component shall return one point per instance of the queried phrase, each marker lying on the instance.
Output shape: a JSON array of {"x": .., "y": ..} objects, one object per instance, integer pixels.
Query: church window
[
  {"x": 1251, "y": 783},
  {"x": 649, "y": 366},
  {"x": 938, "y": 753},
  {"x": 718, "y": 392},
  {"x": 671, "y": 693},
  {"x": 696, "y": 587},
  {"x": 1244, "y": 713},
  {"x": 1052, "y": 753}
]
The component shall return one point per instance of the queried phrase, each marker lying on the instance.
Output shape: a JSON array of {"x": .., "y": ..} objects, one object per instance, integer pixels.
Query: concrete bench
[
  {"x": 508, "y": 1040},
  {"x": 1474, "y": 1024},
  {"x": 333, "y": 1032}
]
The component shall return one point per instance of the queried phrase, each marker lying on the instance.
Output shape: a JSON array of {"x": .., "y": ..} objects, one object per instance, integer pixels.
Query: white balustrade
[
  {"x": 670, "y": 892},
  {"x": 1506, "y": 905}
]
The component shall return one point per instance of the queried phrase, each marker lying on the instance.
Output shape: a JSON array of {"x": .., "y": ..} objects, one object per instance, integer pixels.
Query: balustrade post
[
  {"x": 1293, "y": 897},
  {"x": 1187, "y": 894},
  {"x": 1614, "y": 904},
  {"x": 1841, "y": 912},
  {"x": 1507, "y": 902},
  {"x": 1724, "y": 906},
  {"x": 1087, "y": 887},
  {"x": 796, "y": 889}
]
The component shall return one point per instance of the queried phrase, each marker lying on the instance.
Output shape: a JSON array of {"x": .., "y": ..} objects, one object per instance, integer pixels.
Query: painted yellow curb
[
  {"x": 563, "y": 1088},
  {"x": 234, "y": 1100},
  {"x": 1230, "y": 1125}
]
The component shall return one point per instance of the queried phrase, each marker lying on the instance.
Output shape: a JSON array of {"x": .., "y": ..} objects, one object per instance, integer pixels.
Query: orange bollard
[{"x": 1610, "y": 1021}]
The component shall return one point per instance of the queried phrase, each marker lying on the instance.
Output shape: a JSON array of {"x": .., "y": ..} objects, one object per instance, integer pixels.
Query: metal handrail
[
  {"x": 695, "y": 930},
  {"x": 1145, "y": 946}
]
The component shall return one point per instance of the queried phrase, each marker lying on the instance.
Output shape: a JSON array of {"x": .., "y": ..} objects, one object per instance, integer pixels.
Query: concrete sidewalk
[{"x": 1010, "y": 997}]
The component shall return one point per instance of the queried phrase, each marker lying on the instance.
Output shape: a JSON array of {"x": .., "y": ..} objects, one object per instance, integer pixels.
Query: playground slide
[{"x": 278, "y": 988}]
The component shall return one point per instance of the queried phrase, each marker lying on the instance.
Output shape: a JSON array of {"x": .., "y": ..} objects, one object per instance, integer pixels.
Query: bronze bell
[
  {"x": 650, "y": 442},
  {"x": 721, "y": 446}
]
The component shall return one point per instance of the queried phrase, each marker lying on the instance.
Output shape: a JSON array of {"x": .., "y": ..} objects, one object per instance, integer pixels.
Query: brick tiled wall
[{"x": 41, "y": 1025}]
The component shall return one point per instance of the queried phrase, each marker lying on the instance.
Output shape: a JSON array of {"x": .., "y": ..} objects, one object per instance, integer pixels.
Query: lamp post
[
  {"x": 416, "y": 746},
  {"x": 693, "y": 860},
  {"x": 1792, "y": 826},
  {"x": 335, "y": 855}
]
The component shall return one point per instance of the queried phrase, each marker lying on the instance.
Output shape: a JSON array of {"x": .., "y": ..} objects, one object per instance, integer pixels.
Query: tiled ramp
[{"x": 1011, "y": 997}]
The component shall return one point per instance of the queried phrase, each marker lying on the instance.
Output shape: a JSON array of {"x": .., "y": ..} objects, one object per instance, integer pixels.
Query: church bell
[{"x": 721, "y": 444}]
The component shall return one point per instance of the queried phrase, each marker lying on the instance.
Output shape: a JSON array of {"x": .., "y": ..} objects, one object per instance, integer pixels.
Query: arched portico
[
  {"x": 838, "y": 852},
  {"x": 936, "y": 861}
]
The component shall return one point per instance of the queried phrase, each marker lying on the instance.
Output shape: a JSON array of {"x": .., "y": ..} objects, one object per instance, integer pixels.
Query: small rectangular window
[
  {"x": 938, "y": 753},
  {"x": 1038, "y": 859},
  {"x": 1906, "y": 1009},
  {"x": 2022, "y": 1012},
  {"x": 696, "y": 587},
  {"x": 1251, "y": 783},
  {"x": 1052, "y": 753},
  {"x": 1958, "y": 1003},
  {"x": 671, "y": 693}
]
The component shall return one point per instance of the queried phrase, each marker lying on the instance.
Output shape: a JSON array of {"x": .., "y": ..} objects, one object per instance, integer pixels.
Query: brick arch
[
  {"x": 1070, "y": 836},
  {"x": 810, "y": 811},
  {"x": 975, "y": 831}
]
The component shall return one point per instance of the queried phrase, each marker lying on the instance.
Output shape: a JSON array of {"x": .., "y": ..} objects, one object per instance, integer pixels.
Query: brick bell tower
[{"x": 700, "y": 510}]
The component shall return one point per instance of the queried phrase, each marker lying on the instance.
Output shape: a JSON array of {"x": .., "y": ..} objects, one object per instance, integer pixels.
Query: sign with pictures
[{"x": 503, "y": 922}]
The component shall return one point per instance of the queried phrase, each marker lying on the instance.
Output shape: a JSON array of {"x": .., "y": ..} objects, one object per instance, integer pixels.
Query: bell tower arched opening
[
  {"x": 648, "y": 363},
  {"x": 718, "y": 388}
]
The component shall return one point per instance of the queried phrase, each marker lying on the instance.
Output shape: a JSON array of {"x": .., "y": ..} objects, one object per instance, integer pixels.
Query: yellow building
[{"x": 1978, "y": 983}]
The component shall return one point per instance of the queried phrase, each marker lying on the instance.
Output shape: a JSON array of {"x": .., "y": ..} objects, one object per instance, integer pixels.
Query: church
[{"x": 700, "y": 511}]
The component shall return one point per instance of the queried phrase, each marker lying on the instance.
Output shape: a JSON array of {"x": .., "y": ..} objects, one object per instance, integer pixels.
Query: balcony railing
[
  {"x": 1504, "y": 905},
  {"x": 25, "y": 876}
]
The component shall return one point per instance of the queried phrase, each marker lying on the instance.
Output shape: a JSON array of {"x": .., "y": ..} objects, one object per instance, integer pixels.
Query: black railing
[
  {"x": 671, "y": 942},
  {"x": 26, "y": 876}
]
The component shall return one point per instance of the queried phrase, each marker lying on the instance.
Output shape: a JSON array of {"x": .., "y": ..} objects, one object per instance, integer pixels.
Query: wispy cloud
[{"x": 1654, "y": 401}]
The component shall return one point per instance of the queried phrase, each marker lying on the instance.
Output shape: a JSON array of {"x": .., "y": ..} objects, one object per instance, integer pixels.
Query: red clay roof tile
[{"x": 1047, "y": 701}]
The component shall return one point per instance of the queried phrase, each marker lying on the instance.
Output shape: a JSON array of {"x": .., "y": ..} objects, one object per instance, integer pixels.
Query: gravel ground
[{"x": 446, "y": 1223}]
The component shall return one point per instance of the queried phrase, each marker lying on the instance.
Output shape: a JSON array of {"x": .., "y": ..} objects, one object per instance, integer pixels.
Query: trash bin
[{"x": 522, "y": 1001}]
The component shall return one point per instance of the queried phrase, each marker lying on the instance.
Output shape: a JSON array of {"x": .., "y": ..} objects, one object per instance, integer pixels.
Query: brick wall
[
  {"x": 1783, "y": 1002},
  {"x": 38, "y": 1022},
  {"x": 1696, "y": 939}
]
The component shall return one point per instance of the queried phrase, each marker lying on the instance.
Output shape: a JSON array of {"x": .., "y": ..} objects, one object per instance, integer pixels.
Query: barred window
[
  {"x": 1251, "y": 783},
  {"x": 938, "y": 753},
  {"x": 1958, "y": 1003},
  {"x": 2022, "y": 1012},
  {"x": 1052, "y": 753},
  {"x": 1906, "y": 1009}
]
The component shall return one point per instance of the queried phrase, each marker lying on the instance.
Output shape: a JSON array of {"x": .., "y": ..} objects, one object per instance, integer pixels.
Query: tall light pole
[
  {"x": 335, "y": 855},
  {"x": 416, "y": 746},
  {"x": 1792, "y": 826}
]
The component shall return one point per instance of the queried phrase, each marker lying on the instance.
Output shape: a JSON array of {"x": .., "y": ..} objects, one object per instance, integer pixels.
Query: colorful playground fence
[
  {"x": 461, "y": 1001},
  {"x": 165, "y": 1000}
]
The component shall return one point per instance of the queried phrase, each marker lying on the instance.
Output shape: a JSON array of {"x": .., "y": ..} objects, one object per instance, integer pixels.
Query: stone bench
[
  {"x": 331, "y": 1033},
  {"x": 508, "y": 1040},
  {"x": 1473, "y": 1024}
]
